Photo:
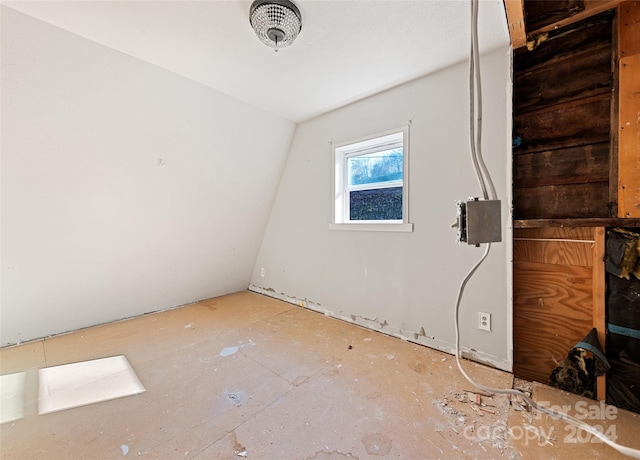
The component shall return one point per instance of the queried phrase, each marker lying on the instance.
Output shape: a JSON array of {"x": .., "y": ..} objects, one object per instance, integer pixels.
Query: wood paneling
[
  {"x": 591, "y": 8},
  {"x": 540, "y": 14},
  {"x": 562, "y": 201},
  {"x": 588, "y": 163},
  {"x": 576, "y": 77},
  {"x": 566, "y": 125},
  {"x": 554, "y": 252},
  {"x": 563, "y": 44},
  {"x": 562, "y": 120},
  {"x": 629, "y": 20},
  {"x": 552, "y": 311},
  {"x": 629, "y": 137},
  {"x": 569, "y": 233}
]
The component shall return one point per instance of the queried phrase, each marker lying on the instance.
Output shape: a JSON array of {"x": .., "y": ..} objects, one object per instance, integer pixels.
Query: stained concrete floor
[{"x": 299, "y": 386}]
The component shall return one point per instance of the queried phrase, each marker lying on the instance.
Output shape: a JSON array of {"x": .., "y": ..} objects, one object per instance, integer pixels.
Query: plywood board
[
  {"x": 554, "y": 252},
  {"x": 79, "y": 384},
  {"x": 564, "y": 246},
  {"x": 578, "y": 233},
  {"x": 552, "y": 311},
  {"x": 629, "y": 138}
]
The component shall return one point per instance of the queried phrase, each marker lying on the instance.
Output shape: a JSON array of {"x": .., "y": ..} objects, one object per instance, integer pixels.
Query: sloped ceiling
[{"x": 347, "y": 50}]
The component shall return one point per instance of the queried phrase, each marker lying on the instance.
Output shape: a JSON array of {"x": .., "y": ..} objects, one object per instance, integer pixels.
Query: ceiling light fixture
[{"x": 277, "y": 23}]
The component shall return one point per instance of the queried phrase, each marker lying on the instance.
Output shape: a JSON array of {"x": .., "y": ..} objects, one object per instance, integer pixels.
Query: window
[{"x": 370, "y": 183}]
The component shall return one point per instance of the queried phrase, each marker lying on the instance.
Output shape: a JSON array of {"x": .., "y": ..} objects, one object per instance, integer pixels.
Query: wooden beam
[
  {"x": 599, "y": 301},
  {"x": 591, "y": 8},
  {"x": 515, "y": 18},
  {"x": 576, "y": 223},
  {"x": 629, "y": 29},
  {"x": 629, "y": 138}
]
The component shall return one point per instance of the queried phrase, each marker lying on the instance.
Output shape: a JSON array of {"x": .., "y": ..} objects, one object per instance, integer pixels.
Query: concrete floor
[{"x": 301, "y": 386}]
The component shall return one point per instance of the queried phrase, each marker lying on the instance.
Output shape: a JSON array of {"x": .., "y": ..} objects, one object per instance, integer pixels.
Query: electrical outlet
[
  {"x": 484, "y": 321},
  {"x": 262, "y": 272}
]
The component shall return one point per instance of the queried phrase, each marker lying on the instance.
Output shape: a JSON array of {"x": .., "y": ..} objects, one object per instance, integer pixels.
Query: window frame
[{"x": 395, "y": 138}]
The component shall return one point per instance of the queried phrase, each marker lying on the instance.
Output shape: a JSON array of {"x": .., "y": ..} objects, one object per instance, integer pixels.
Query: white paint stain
[
  {"x": 188, "y": 325},
  {"x": 228, "y": 351},
  {"x": 125, "y": 449}
]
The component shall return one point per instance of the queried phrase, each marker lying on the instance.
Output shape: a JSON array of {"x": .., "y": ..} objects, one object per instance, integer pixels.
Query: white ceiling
[{"x": 347, "y": 50}]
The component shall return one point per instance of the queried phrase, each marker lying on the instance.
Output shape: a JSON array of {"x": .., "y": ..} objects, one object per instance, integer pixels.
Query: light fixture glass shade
[{"x": 277, "y": 23}]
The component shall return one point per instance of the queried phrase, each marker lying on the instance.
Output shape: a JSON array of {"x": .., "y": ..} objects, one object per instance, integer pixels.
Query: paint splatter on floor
[{"x": 228, "y": 351}]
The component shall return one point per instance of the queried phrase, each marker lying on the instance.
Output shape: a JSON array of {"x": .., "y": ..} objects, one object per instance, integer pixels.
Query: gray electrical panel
[{"x": 479, "y": 221}]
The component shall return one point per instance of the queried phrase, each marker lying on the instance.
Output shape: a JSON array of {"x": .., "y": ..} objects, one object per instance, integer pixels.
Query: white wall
[
  {"x": 93, "y": 229},
  {"x": 400, "y": 283}
]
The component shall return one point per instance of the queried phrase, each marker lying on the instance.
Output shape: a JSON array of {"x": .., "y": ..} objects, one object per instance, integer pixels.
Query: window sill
[{"x": 405, "y": 228}]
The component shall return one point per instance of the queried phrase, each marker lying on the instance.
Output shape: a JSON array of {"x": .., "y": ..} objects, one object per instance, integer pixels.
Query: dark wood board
[
  {"x": 583, "y": 35},
  {"x": 576, "y": 223},
  {"x": 562, "y": 201},
  {"x": 587, "y": 163},
  {"x": 586, "y": 74},
  {"x": 565, "y": 125},
  {"x": 541, "y": 13}
]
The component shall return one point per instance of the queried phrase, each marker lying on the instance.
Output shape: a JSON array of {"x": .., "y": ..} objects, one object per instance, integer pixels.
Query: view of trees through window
[{"x": 375, "y": 167}]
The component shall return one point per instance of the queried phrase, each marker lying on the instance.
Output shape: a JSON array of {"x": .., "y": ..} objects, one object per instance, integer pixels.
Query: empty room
[{"x": 320, "y": 229}]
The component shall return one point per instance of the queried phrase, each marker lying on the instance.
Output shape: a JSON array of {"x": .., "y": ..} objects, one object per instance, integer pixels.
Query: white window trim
[{"x": 339, "y": 154}]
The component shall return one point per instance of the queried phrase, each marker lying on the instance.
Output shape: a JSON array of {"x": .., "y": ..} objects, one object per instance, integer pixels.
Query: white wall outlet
[
  {"x": 262, "y": 272},
  {"x": 484, "y": 321}
]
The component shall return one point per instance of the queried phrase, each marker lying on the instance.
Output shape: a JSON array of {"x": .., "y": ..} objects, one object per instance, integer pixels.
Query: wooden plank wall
[
  {"x": 553, "y": 296},
  {"x": 562, "y": 112},
  {"x": 540, "y": 14}
]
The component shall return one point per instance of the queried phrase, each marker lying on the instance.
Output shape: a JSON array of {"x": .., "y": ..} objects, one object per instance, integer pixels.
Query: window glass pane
[
  {"x": 375, "y": 168},
  {"x": 377, "y": 204}
]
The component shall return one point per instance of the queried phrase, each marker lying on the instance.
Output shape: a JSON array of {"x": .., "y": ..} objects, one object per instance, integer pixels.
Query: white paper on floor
[
  {"x": 12, "y": 396},
  {"x": 87, "y": 382}
]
